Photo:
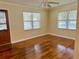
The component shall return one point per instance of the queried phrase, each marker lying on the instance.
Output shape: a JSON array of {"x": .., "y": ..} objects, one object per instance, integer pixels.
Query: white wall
[
  {"x": 53, "y": 16},
  {"x": 16, "y": 21}
]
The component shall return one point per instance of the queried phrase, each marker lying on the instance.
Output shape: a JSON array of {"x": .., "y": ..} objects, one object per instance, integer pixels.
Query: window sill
[
  {"x": 31, "y": 29},
  {"x": 67, "y": 29}
]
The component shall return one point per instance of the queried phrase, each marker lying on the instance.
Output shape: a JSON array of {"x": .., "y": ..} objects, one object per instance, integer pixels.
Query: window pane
[
  {"x": 72, "y": 25},
  {"x": 36, "y": 25},
  {"x": 27, "y": 25},
  {"x": 3, "y": 27},
  {"x": 62, "y": 16},
  {"x": 2, "y": 17},
  {"x": 62, "y": 24},
  {"x": 27, "y": 16},
  {"x": 73, "y": 15},
  {"x": 36, "y": 16}
]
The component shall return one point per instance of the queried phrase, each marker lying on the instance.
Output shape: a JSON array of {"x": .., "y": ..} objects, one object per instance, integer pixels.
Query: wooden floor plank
[{"x": 44, "y": 47}]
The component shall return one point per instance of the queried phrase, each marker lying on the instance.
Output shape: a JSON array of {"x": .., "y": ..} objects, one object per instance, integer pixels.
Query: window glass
[
  {"x": 72, "y": 25},
  {"x": 27, "y": 16},
  {"x": 3, "y": 25},
  {"x": 27, "y": 25},
  {"x": 62, "y": 24},
  {"x": 36, "y": 25},
  {"x": 62, "y": 16},
  {"x": 36, "y": 16},
  {"x": 73, "y": 15}
]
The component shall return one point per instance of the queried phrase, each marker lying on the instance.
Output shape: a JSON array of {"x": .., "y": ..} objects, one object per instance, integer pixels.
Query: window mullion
[
  {"x": 67, "y": 19},
  {"x": 32, "y": 20}
]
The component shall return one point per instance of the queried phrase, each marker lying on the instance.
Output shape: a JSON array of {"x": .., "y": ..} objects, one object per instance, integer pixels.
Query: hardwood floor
[{"x": 45, "y": 47}]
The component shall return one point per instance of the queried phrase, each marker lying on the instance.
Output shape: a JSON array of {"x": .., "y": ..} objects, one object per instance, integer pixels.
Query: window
[
  {"x": 31, "y": 20},
  {"x": 67, "y": 19},
  {"x": 3, "y": 24}
]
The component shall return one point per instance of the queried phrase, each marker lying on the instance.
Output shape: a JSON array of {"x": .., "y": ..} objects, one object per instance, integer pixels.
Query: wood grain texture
[{"x": 45, "y": 47}]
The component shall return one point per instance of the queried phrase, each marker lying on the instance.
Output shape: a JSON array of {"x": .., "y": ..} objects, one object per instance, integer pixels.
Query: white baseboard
[
  {"x": 41, "y": 35},
  {"x": 61, "y": 36},
  {"x": 27, "y": 38}
]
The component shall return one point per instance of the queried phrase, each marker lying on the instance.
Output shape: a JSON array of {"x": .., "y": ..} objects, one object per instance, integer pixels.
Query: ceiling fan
[{"x": 48, "y": 4}]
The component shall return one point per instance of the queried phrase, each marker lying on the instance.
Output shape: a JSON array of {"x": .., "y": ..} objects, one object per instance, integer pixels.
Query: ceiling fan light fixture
[{"x": 47, "y": 4}]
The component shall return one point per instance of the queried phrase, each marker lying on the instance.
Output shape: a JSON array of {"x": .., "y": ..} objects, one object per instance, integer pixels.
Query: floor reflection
[{"x": 55, "y": 49}]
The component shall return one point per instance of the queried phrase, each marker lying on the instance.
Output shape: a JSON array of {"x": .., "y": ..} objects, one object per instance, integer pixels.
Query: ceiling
[{"x": 37, "y": 3}]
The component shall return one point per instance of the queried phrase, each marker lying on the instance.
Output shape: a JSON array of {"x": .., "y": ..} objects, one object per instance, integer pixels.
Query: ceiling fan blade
[
  {"x": 49, "y": 6},
  {"x": 53, "y": 2}
]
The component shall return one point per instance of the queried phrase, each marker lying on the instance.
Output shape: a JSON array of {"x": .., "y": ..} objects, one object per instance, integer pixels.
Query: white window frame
[
  {"x": 32, "y": 21},
  {"x": 67, "y": 20}
]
